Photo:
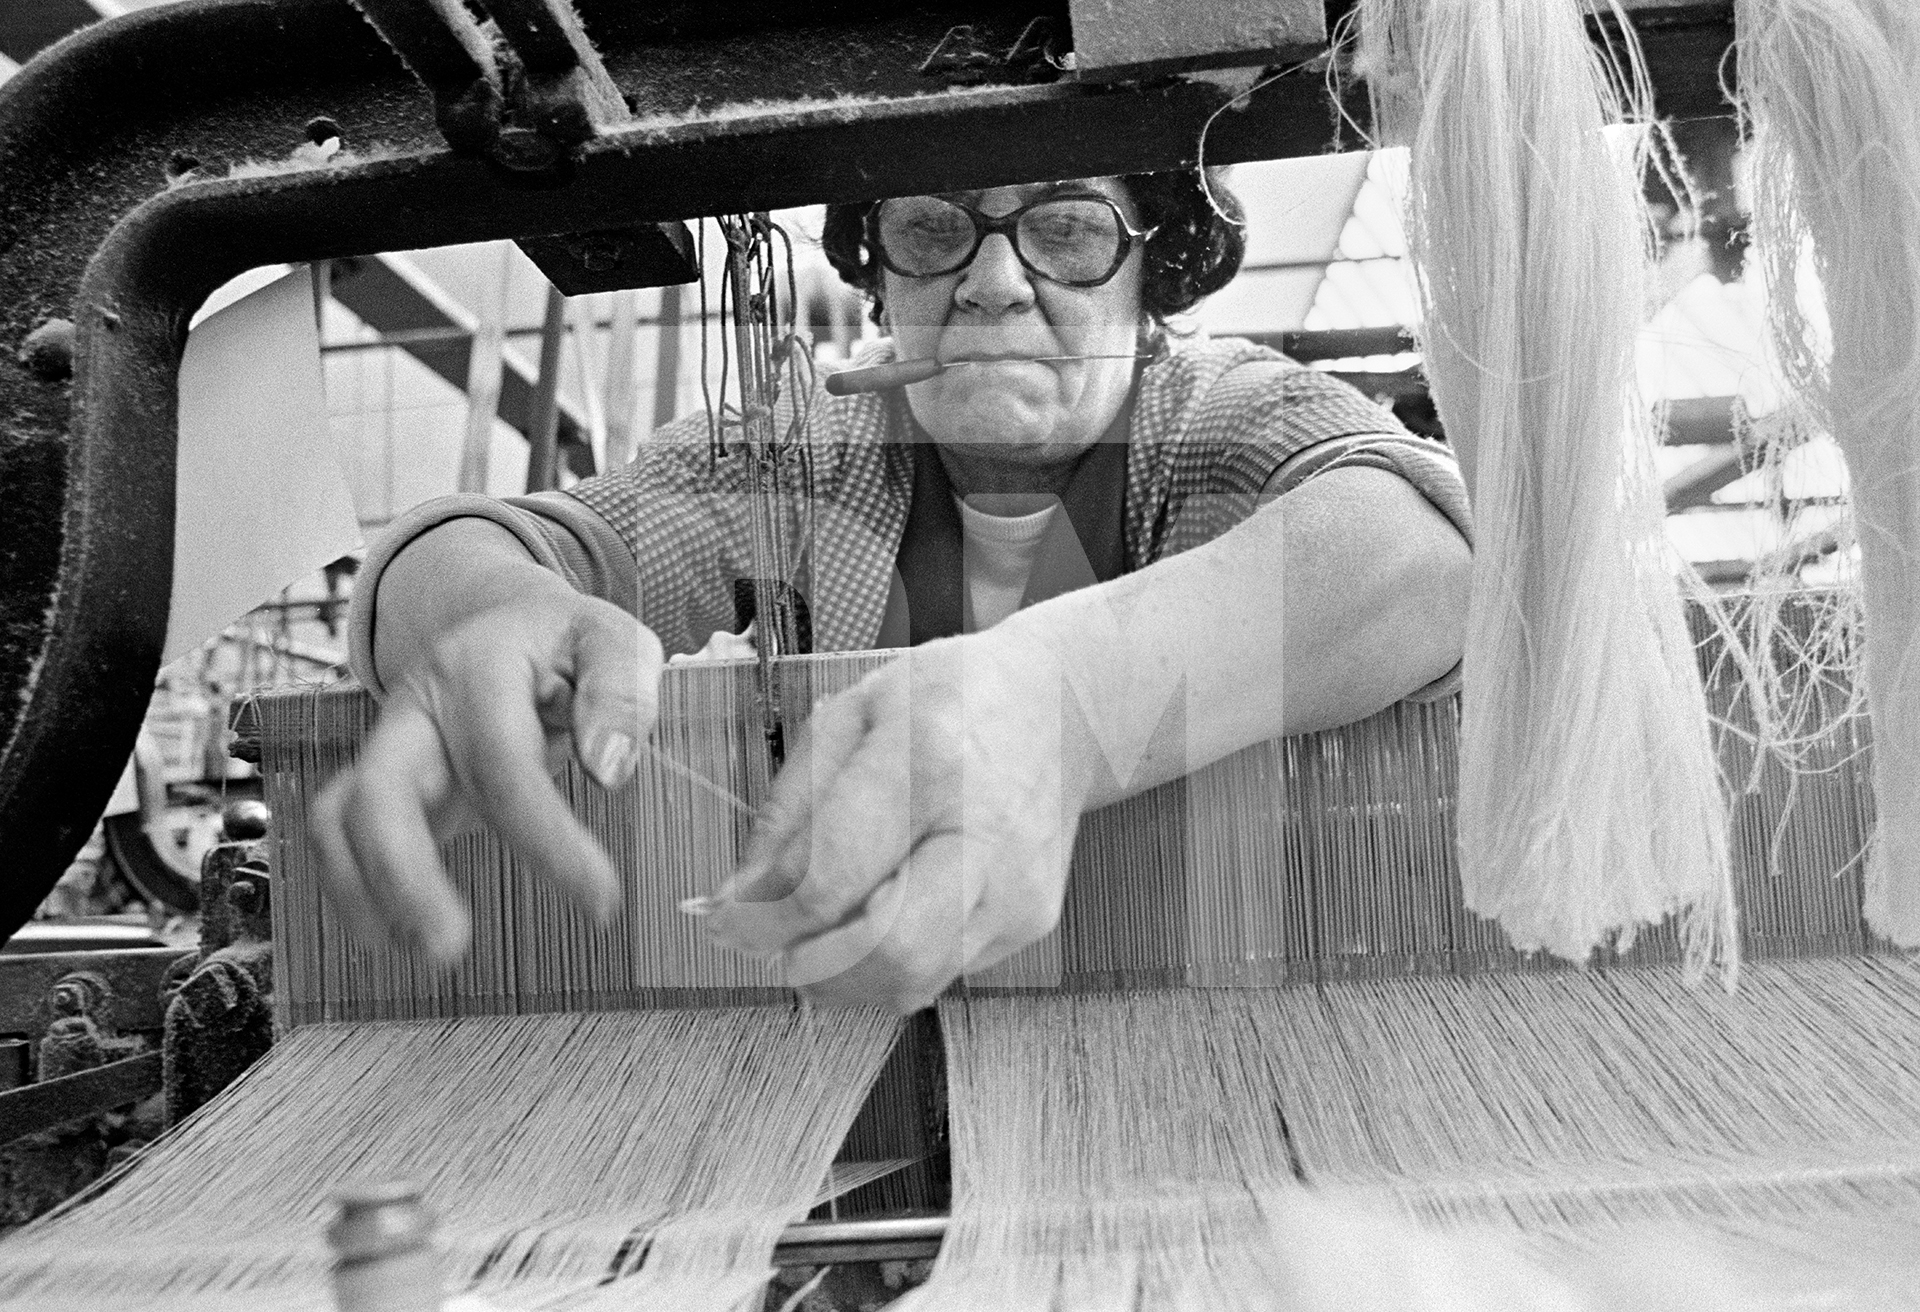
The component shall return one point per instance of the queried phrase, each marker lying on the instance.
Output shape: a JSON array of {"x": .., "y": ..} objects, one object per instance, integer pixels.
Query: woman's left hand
[{"x": 920, "y": 830}]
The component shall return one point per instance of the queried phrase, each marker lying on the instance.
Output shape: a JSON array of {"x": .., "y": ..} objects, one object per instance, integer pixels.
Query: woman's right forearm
[{"x": 442, "y": 578}]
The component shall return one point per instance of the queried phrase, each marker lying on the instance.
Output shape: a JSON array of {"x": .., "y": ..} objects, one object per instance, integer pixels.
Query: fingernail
[{"x": 614, "y": 759}]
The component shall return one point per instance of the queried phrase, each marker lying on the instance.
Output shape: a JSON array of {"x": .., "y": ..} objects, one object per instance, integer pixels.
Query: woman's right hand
[{"x": 479, "y": 717}]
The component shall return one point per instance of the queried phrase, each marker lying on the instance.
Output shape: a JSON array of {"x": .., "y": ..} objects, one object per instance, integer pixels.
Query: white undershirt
[{"x": 997, "y": 558}]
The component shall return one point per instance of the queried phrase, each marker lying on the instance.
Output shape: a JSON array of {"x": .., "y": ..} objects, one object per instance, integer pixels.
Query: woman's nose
[{"x": 996, "y": 281}]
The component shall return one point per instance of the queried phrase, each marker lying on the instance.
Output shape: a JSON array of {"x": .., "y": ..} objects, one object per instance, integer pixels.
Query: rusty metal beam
[
  {"x": 1140, "y": 38},
  {"x": 570, "y": 97},
  {"x": 119, "y": 212},
  {"x": 447, "y": 51},
  {"x": 28, "y": 28},
  {"x": 34, "y": 1107}
]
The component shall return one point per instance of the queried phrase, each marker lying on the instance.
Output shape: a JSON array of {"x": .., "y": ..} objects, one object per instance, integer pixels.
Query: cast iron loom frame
[{"x": 116, "y": 214}]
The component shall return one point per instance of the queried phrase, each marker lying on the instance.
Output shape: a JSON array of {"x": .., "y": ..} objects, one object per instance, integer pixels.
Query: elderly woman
[{"x": 1116, "y": 556}]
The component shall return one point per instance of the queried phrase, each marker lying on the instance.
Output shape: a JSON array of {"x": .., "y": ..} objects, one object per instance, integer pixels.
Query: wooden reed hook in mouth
[{"x": 880, "y": 377}]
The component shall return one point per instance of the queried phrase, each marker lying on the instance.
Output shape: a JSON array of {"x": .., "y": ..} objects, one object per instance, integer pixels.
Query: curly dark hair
[{"x": 1195, "y": 251}]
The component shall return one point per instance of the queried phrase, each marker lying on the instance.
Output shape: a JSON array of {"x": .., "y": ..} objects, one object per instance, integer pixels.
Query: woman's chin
[
  {"x": 995, "y": 434},
  {"x": 997, "y": 417},
  {"x": 987, "y": 398}
]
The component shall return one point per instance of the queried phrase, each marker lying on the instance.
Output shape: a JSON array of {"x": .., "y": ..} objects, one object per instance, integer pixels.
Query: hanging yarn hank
[
  {"x": 1589, "y": 800},
  {"x": 1827, "y": 89}
]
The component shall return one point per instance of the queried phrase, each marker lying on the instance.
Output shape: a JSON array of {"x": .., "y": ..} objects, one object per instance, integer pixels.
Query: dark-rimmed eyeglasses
[{"x": 1077, "y": 240}]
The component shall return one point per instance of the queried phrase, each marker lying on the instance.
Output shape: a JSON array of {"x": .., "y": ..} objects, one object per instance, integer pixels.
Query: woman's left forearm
[{"x": 1328, "y": 604}]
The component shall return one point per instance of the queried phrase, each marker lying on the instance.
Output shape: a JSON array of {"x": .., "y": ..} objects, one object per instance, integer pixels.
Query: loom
[
  {"x": 1658, "y": 1103},
  {"x": 1323, "y": 975}
]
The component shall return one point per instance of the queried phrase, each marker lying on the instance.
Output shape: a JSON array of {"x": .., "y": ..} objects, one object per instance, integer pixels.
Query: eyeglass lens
[{"x": 1067, "y": 240}]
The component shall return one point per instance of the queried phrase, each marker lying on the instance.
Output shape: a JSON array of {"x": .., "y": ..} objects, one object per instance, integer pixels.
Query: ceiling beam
[
  {"x": 392, "y": 294},
  {"x": 1695, "y": 485},
  {"x": 1789, "y": 559},
  {"x": 1700, "y": 421}
]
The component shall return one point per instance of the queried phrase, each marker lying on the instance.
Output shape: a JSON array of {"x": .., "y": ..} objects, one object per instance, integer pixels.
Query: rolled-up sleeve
[
  {"x": 1348, "y": 431},
  {"x": 1427, "y": 464},
  {"x": 556, "y": 530}
]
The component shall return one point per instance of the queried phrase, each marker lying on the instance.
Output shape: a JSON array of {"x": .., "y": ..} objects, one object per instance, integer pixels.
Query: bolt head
[{"x": 48, "y": 350}]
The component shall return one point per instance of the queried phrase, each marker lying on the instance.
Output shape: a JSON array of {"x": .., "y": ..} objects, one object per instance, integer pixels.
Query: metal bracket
[
  {"x": 965, "y": 58},
  {"x": 134, "y": 977},
  {"x": 650, "y": 255},
  {"x": 524, "y": 94},
  {"x": 454, "y": 60},
  {"x": 1146, "y": 38}
]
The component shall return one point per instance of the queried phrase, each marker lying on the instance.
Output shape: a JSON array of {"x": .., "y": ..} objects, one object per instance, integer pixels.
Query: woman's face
[{"x": 995, "y": 310}]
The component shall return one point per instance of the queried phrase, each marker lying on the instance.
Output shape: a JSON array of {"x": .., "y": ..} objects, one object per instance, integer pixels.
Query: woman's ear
[{"x": 1152, "y": 341}]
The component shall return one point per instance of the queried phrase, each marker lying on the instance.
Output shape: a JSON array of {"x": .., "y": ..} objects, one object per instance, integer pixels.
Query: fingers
[
  {"x": 838, "y": 824},
  {"x": 887, "y": 954},
  {"x": 937, "y": 919},
  {"x": 833, "y": 734},
  {"x": 489, "y": 721},
  {"x": 379, "y": 862},
  {"x": 906, "y": 944},
  {"x": 616, "y": 664},
  {"x": 471, "y": 732},
  {"x": 827, "y": 881}
]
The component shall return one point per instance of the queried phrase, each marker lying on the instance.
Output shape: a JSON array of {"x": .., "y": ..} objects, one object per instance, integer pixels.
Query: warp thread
[
  {"x": 1589, "y": 802},
  {"x": 607, "y": 1155},
  {"x": 1827, "y": 89},
  {"x": 631, "y": 1159},
  {"x": 1514, "y": 1141},
  {"x": 673, "y": 833},
  {"x": 1326, "y": 855}
]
